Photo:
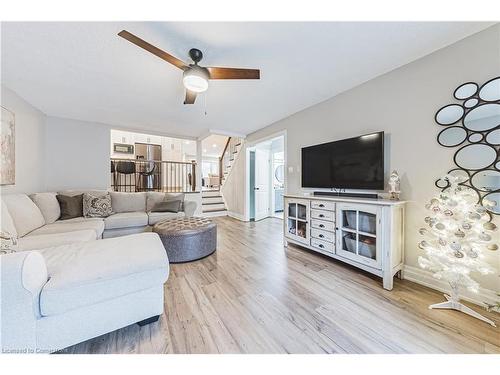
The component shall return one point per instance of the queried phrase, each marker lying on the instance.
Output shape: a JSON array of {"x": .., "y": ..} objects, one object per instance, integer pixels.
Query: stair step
[
  {"x": 210, "y": 194},
  {"x": 214, "y": 209},
  {"x": 212, "y": 200}
]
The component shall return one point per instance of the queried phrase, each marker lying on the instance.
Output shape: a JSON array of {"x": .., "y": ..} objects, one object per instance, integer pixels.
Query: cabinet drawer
[
  {"x": 325, "y": 225},
  {"x": 323, "y": 235},
  {"x": 323, "y": 205},
  {"x": 323, "y": 215},
  {"x": 322, "y": 245}
]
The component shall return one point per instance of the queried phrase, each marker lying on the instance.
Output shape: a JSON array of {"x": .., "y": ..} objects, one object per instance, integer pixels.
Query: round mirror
[
  {"x": 483, "y": 117},
  {"x": 442, "y": 183},
  {"x": 472, "y": 102},
  {"x": 452, "y": 136},
  {"x": 491, "y": 202},
  {"x": 497, "y": 165},
  {"x": 475, "y": 156},
  {"x": 490, "y": 91},
  {"x": 449, "y": 114},
  {"x": 486, "y": 180},
  {"x": 279, "y": 173},
  {"x": 493, "y": 138},
  {"x": 457, "y": 172},
  {"x": 475, "y": 137},
  {"x": 466, "y": 90}
]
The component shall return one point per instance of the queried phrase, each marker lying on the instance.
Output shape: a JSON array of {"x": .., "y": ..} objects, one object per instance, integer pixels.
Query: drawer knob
[
  {"x": 321, "y": 226},
  {"x": 321, "y": 236},
  {"x": 321, "y": 215},
  {"x": 322, "y": 205},
  {"x": 320, "y": 245}
]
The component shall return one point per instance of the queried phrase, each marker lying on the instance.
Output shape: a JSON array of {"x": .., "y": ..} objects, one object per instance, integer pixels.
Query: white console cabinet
[{"x": 366, "y": 233}]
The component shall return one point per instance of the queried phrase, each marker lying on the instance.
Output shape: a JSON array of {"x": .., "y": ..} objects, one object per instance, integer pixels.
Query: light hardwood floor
[{"x": 255, "y": 296}]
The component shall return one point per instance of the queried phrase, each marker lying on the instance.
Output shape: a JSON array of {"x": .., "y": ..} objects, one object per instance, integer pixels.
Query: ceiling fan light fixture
[{"x": 195, "y": 79}]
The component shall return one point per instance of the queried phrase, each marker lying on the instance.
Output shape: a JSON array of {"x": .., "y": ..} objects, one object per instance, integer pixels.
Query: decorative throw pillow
[
  {"x": 71, "y": 207},
  {"x": 167, "y": 206},
  {"x": 96, "y": 206}
]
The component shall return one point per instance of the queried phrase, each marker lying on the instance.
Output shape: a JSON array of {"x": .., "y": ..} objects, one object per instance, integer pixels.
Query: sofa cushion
[
  {"x": 55, "y": 239},
  {"x": 128, "y": 202},
  {"x": 71, "y": 207},
  {"x": 6, "y": 222},
  {"x": 48, "y": 205},
  {"x": 154, "y": 197},
  {"x": 167, "y": 206},
  {"x": 89, "y": 273},
  {"x": 155, "y": 217},
  {"x": 24, "y": 212},
  {"x": 65, "y": 226},
  {"x": 96, "y": 206},
  {"x": 126, "y": 220}
]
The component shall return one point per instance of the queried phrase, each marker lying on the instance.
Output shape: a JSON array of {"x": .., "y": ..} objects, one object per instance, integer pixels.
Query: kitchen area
[{"x": 144, "y": 162}]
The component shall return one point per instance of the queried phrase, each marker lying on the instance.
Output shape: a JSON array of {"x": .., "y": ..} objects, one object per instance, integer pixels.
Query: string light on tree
[{"x": 458, "y": 233}]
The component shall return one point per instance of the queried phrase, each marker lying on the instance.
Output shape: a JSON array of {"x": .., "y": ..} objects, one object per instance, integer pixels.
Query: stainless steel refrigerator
[{"x": 149, "y": 171}]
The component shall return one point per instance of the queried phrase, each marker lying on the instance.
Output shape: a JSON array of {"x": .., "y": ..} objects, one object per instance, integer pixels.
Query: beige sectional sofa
[
  {"x": 34, "y": 219},
  {"x": 62, "y": 287}
]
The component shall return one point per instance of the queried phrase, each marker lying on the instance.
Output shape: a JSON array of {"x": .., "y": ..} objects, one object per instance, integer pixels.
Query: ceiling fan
[{"x": 195, "y": 77}]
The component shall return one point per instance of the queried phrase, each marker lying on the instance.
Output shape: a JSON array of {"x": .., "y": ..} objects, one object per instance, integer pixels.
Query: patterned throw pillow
[{"x": 97, "y": 206}]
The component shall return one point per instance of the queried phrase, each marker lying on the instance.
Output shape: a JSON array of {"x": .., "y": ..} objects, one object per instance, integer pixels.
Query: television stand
[
  {"x": 346, "y": 195},
  {"x": 365, "y": 233}
]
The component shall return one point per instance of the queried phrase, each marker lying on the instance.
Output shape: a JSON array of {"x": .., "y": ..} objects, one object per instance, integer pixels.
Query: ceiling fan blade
[
  {"x": 190, "y": 97},
  {"x": 154, "y": 50},
  {"x": 233, "y": 73}
]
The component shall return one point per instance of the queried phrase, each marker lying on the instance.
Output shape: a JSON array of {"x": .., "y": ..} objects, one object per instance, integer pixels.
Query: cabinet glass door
[
  {"x": 358, "y": 227},
  {"x": 297, "y": 219}
]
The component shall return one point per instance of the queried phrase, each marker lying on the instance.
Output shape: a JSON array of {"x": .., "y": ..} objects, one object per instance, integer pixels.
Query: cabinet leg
[
  {"x": 388, "y": 282},
  {"x": 400, "y": 274}
]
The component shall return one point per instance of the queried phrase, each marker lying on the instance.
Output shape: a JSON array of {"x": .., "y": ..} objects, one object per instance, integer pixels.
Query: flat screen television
[{"x": 354, "y": 163}]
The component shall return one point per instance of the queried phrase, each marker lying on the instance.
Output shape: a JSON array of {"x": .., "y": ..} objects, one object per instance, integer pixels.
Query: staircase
[
  {"x": 233, "y": 146},
  {"x": 212, "y": 203},
  {"x": 211, "y": 200}
]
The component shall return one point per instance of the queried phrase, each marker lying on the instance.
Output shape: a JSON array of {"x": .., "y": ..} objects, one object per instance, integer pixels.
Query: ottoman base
[{"x": 187, "y": 239}]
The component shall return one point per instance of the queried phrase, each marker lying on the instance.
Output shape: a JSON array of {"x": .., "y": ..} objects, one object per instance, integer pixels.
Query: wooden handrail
[
  {"x": 155, "y": 161},
  {"x": 221, "y": 172},
  {"x": 225, "y": 148}
]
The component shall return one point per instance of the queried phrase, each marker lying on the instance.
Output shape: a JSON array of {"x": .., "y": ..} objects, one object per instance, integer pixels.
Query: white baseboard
[
  {"x": 214, "y": 214},
  {"x": 236, "y": 215},
  {"x": 423, "y": 277}
]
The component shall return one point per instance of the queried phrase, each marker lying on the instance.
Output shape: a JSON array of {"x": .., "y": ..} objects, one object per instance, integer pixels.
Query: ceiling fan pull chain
[{"x": 206, "y": 99}]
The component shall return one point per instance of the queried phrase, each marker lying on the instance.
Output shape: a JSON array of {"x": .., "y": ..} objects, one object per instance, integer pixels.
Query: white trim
[
  {"x": 227, "y": 133},
  {"x": 422, "y": 277},
  {"x": 236, "y": 216},
  {"x": 214, "y": 214}
]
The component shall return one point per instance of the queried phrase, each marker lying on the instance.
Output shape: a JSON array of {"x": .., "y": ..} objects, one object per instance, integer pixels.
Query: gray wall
[
  {"x": 402, "y": 103},
  {"x": 30, "y": 147},
  {"x": 77, "y": 155}
]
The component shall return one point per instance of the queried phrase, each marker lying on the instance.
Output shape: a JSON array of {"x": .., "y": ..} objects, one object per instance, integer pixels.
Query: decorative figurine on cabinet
[{"x": 394, "y": 186}]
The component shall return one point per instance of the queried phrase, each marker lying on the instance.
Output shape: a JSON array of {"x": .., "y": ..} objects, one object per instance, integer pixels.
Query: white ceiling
[
  {"x": 213, "y": 145},
  {"x": 83, "y": 70}
]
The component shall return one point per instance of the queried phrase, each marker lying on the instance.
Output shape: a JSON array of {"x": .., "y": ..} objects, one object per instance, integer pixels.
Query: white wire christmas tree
[{"x": 459, "y": 231}]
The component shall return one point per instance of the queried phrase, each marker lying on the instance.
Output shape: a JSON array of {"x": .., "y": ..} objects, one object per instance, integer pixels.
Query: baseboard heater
[{"x": 348, "y": 195}]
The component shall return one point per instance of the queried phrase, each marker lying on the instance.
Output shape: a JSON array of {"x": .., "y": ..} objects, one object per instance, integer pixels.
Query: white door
[{"x": 262, "y": 182}]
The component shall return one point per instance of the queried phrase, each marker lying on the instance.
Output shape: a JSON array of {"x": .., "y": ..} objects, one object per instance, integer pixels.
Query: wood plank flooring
[{"x": 255, "y": 296}]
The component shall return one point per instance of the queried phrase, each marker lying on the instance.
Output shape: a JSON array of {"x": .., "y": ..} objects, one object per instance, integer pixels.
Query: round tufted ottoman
[{"x": 187, "y": 239}]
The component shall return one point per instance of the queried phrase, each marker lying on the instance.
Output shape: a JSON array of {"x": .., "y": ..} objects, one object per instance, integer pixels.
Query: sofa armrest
[
  {"x": 189, "y": 208},
  {"x": 23, "y": 276}
]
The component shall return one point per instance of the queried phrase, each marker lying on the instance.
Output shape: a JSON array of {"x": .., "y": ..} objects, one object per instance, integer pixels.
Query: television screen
[{"x": 354, "y": 163}]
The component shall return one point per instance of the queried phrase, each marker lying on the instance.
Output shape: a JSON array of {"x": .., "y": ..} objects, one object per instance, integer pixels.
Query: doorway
[{"x": 266, "y": 178}]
